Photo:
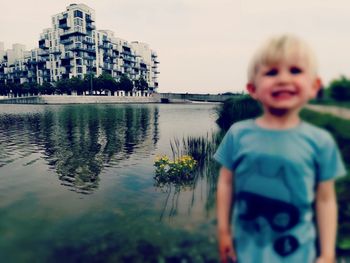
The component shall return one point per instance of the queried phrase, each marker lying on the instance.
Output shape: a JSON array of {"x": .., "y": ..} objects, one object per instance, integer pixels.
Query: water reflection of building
[{"x": 79, "y": 141}]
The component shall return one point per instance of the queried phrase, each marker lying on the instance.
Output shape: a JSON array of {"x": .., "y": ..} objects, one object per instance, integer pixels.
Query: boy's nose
[{"x": 284, "y": 77}]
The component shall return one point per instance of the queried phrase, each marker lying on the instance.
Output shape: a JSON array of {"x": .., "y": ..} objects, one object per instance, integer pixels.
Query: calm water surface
[{"x": 76, "y": 185}]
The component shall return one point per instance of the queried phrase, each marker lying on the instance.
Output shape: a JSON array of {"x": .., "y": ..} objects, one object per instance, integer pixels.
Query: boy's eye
[
  {"x": 295, "y": 70},
  {"x": 271, "y": 72}
]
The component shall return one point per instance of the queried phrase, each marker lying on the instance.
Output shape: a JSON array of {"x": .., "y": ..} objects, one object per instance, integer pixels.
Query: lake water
[{"x": 76, "y": 185}]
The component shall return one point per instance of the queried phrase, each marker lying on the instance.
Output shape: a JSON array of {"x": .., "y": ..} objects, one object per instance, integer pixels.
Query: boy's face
[{"x": 287, "y": 85}]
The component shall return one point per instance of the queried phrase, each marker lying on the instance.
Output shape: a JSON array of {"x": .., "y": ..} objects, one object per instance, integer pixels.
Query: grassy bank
[{"x": 328, "y": 102}]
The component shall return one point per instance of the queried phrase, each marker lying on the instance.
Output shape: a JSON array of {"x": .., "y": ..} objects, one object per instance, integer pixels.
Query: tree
[
  {"x": 30, "y": 88},
  {"x": 15, "y": 88},
  {"x": 89, "y": 82},
  {"x": 340, "y": 89},
  {"x": 125, "y": 84},
  {"x": 141, "y": 84},
  {"x": 4, "y": 89},
  {"x": 63, "y": 86},
  {"x": 47, "y": 88},
  {"x": 25, "y": 88},
  {"x": 106, "y": 81},
  {"x": 76, "y": 84}
]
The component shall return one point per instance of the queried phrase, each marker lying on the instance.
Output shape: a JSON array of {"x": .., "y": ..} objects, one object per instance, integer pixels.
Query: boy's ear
[
  {"x": 252, "y": 90},
  {"x": 317, "y": 85}
]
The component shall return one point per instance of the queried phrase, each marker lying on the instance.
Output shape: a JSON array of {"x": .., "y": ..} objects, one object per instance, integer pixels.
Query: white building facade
[{"x": 73, "y": 47}]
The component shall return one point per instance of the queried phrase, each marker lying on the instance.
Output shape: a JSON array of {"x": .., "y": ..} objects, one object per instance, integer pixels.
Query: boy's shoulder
[
  {"x": 309, "y": 131},
  {"x": 316, "y": 132},
  {"x": 243, "y": 125}
]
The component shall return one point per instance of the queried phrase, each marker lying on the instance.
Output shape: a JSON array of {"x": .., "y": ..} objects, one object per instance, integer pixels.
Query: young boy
[{"x": 278, "y": 171}]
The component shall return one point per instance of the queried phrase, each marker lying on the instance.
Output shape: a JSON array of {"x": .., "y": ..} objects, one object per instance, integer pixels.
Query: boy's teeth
[{"x": 282, "y": 92}]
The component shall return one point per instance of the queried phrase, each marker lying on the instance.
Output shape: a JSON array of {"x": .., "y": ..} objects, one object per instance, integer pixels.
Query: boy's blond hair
[{"x": 281, "y": 48}]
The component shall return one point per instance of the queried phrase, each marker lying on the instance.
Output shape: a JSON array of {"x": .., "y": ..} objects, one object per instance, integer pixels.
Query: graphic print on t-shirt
[{"x": 267, "y": 218}]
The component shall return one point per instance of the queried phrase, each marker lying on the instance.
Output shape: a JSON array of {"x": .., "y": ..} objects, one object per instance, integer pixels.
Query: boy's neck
[{"x": 278, "y": 119}]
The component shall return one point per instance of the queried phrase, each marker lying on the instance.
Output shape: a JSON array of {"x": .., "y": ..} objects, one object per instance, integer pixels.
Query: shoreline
[
  {"x": 83, "y": 99},
  {"x": 77, "y": 99}
]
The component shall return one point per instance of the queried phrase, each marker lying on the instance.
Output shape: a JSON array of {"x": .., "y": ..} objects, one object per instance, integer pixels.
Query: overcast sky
[{"x": 203, "y": 46}]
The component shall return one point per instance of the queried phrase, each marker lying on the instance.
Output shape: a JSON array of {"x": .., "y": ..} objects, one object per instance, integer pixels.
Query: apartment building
[{"x": 73, "y": 47}]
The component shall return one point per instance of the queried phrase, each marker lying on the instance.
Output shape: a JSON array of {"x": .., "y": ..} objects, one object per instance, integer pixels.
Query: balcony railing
[
  {"x": 89, "y": 57},
  {"x": 88, "y": 41},
  {"x": 55, "y": 51},
  {"x": 66, "y": 41},
  {"x": 43, "y": 53},
  {"x": 104, "y": 46},
  {"x": 75, "y": 32},
  {"x": 67, "y": 56},
  {"x": 90, "y": 26},
  {"x": 128, "y": 58},
  {"x": 64, "y": 26},
  {"x": 90, "y": 50}
]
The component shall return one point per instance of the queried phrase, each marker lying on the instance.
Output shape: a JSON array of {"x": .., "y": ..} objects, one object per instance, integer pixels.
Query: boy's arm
[
  {"x": 326, "y": 214},
  {"x": 224, "y": 204}
]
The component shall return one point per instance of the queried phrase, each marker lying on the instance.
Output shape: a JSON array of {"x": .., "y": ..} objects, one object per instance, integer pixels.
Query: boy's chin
[
  {"x": 278, "y": 111},
  {"x": 281, "y": 111}
]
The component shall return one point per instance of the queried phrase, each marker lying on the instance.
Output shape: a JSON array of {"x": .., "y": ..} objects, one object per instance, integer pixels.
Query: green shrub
[
  {"x": 237, "y": 109},
  {"x": 340, "y": 89}
]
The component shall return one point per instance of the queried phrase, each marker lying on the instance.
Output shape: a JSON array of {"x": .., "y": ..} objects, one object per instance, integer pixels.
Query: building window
[
  {"x": 79, "y": 69},
  {"x": 78, "y": 13},
  {"x": 78, "y": 22},
  {"x": 78, "y": 28}
]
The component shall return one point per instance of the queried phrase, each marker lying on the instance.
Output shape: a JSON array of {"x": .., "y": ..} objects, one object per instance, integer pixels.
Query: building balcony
[
  {"x": 67, "y": 55},
  {"x": 90, "y": 50},
  {"x": 90, "y": 27},
  {"x": 130, "y": 59},
  {"x": 128, "y": 53},
  {"x": 87, "y": 57},
  {"x": 77, "y": 47},
  {"x": 55, "y": 51},
  {"x": 107, "y": 66},
  {"x": 113, "y": 55},
  {"x": 73, "y": 33},
  {"x": 43, "y": 44},
  {"x": 62, "y": 23},
  {"x": 64, "y": 26},
  {"x": 88, "y": 41},
  {"x": 89, "y": 19},
  {"x": 67, "y": 41},
  {"x": 104, "y": 46},
  {"x": 41, "y": 61},
  {"x": 43, "y": 53}
]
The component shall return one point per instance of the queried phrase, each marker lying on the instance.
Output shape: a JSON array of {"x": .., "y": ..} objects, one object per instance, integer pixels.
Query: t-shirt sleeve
[
  {"x": 330, "y": 162},
  {"x": 225, "y": 152}
]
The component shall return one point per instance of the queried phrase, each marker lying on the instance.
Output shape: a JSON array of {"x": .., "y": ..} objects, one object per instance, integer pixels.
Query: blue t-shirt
[{"x": 276, "y": 173}]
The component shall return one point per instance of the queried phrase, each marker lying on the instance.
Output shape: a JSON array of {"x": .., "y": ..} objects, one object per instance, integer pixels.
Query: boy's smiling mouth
[{"x": 283, "y": 93}]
